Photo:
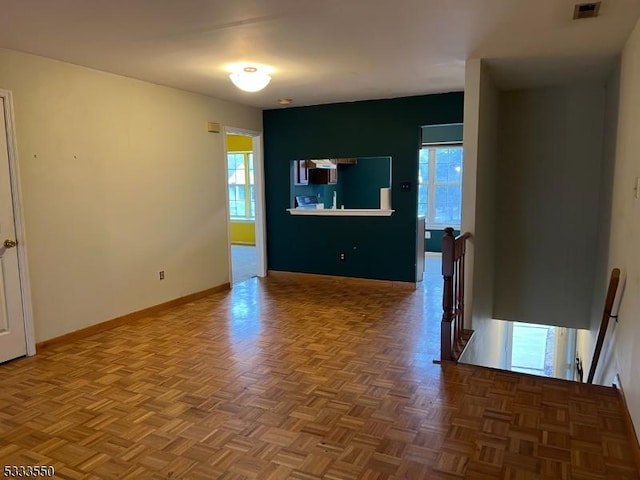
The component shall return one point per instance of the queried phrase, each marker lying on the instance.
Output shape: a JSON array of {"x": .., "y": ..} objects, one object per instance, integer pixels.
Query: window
[
  {"x": 440, "y": 185},
  {"x": 242, "y": 197}
]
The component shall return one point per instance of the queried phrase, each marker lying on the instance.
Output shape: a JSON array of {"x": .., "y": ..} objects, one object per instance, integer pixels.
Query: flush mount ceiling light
[{"x": 250, "y": 79}]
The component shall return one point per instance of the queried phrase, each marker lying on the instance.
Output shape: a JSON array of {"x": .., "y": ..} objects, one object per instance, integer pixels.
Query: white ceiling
[{"x": 320, "y": 51}]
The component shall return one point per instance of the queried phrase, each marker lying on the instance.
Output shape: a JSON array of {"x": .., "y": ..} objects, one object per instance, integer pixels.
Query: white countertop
[{"x": 341, "y": 212}]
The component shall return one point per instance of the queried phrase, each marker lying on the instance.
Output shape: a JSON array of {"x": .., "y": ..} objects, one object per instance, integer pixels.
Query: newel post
[{"x": 448, "y": 252}]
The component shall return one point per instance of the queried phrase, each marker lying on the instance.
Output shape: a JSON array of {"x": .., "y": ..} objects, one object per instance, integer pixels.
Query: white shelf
[{"x": 341, "y": 212}]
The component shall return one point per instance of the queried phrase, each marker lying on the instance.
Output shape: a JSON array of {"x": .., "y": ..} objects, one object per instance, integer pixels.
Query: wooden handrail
[
  {"x": 454, "y": 335},
  {"x": 604, "y": 324}
]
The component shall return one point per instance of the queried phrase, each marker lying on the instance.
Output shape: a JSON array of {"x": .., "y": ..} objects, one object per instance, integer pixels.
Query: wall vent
[{"x": 586, "y": 10}]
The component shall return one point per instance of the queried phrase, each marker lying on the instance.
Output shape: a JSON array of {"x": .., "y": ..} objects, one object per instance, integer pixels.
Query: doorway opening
[
  {"x": 440, "y": 168},
  {"x": 544, "y": 350},
  {"x": 440, "y": 191},
  {"x": 245, "y": 205}
]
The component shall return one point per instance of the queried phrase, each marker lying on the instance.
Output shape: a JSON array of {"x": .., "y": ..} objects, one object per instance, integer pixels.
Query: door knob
[{"x": 10, "y": 243}]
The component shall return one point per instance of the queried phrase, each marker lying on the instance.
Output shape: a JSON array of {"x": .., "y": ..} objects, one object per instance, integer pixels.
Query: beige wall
[
  {"x": 624, "y": 238},
  {"x": 586, "y": 339},
  {"x": 482, "y": 105},
  {"x": 120, "y": 180},
  {"x": 469, "y": 173},
  {"x": 485, "y": 205}
]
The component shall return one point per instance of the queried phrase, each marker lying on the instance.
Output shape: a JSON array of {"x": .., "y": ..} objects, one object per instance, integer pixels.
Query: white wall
[
  {"x": 586, "y": 338},
  {"x": 624, "y": 238},
  {"x": 120, "y": 180},
  {"x": 485, "y": 205},
  {"x": 489, "y": 345},
  {"x": 469, "y": 174},
  {"x": 482, "y": 105},
  {"x": 548, "y": 183}
]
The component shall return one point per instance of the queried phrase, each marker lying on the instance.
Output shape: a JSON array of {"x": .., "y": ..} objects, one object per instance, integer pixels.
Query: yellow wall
[
  {"x": 239, "y": 143},
  {"x": 120, "y": 179},
  {"x": 243, "y": 233}
]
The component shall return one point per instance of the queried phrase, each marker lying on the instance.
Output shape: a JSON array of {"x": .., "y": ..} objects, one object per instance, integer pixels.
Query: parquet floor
[{"x": 282, "y": 380}]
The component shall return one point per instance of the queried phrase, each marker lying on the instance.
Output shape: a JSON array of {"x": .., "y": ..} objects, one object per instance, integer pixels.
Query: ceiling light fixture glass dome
[{"x": 250, "y": 79}]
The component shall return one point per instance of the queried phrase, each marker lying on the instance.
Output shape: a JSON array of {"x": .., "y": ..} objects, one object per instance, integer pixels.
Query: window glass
[
  {"x": 253, "y": 200},
  {"x": 422, "y": 199},
  {"x": 440, "y": 185},
  {"x": 251, "y": 182},
  {"x": 448, "y": 165},
  {"x": 447, "y": 205},
  {"x": 241, "y": 180}
]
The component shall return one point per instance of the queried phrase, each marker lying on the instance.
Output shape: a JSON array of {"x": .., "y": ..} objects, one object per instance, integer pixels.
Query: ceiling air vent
[{"x": 586, "y": 10}]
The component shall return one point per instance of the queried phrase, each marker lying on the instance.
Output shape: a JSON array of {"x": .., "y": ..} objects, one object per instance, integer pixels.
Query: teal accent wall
[
  {"x": 361, "y": 183},
  {"x": 434, "y": 244},
  {"x": 375, "y": 247}
]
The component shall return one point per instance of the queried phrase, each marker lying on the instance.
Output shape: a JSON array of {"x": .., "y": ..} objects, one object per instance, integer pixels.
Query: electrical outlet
[
  {"x": 343, "y": 256},
  {"x": 162, "y": 275}
]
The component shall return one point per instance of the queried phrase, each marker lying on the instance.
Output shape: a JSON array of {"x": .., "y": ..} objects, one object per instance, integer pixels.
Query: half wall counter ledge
[
  {"x": 342, "y": 212},
  {"x": 341, "y": 187}
]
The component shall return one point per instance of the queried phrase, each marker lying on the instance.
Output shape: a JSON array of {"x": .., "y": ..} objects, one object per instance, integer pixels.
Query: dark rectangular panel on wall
[
  {"x": 374, "y": 247},
  {"x": 442, "y": 133}
]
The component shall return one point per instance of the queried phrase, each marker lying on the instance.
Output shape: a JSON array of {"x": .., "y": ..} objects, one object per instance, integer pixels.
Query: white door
[{"x": 12, "y": 328}]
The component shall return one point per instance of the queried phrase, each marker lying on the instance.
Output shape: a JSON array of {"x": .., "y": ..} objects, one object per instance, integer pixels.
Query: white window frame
[
  {"x": 247, "y": 188},
  {"x": 431, "y": 185}
]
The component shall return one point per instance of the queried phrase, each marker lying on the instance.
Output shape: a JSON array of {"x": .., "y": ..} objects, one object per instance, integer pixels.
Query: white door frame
[
  {"x": 258, "y": 177},
  {"x": 16, "y": 196}
]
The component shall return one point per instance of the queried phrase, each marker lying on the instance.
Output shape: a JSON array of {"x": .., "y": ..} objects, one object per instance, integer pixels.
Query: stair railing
[
  {"x": 454, "y": 335},
  {"x": 604, "y": 324}
]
